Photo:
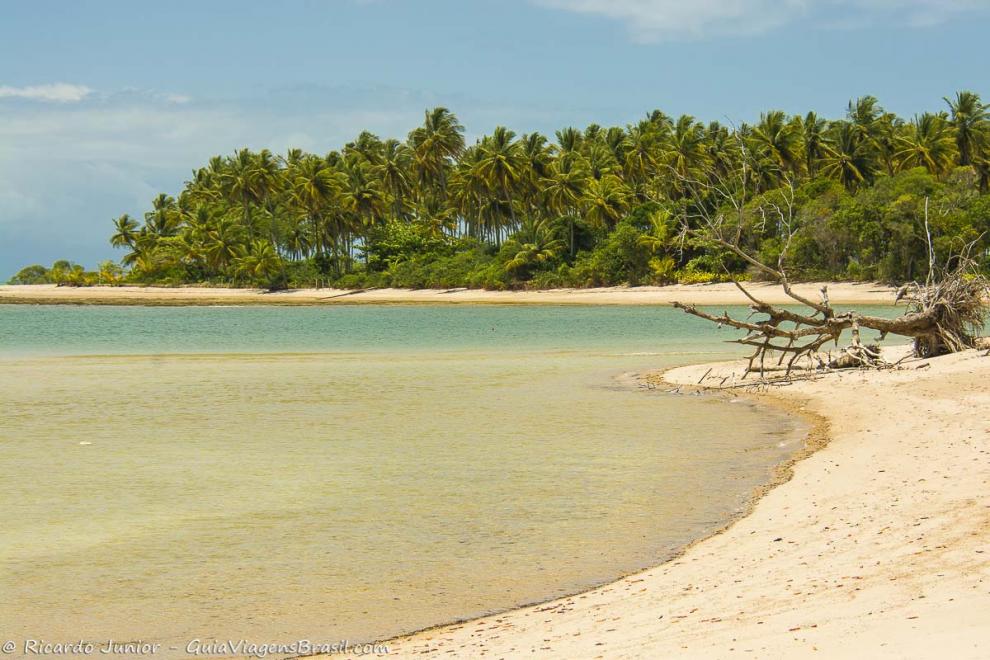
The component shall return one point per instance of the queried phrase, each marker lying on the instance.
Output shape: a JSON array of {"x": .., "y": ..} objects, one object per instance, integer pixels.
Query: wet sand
[{"x": 877, "y": 546}]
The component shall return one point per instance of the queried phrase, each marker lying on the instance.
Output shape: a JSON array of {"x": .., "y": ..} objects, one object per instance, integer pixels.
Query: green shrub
[
  {"x": 31, "y": 275},
  {"x": 691, "y": 276}
]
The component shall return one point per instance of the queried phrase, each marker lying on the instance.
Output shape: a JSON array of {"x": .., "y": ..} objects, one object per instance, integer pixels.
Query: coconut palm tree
[
  {"x": 720, "y": 151},
  {"x": 850, "y": 160},
  {"x": 258, "y": 262},
  {"x": 600, "y": 159},
  {"x": 500, "y": 166},
  {"x": 564, "y": 188},
  {"x": 368, "y": 146},
  {"x": 659, "y": 235},
  {"x": 777, "y": 140},
  {"x": 536, "y": 158},
  {"x": 971, "y": 121},
  {"x": 365, "y": 197},
  {"x": 268, "y": 184},
  {"x": 538, "y": 244},
  {"x": 223, "y": 243},
  {"x": 684, "y": 152},
  {"x": 315, "y": 187},
  {"x": 816, "y": 142},
  {"x": 435, "y": 145},
  {"x": 640, "y": 157},
  {"x": 125, "y": 231},
  {"x": 928, "y": 142},
  {"x": 863, "y": 114},
  {"x": 606, "y": 200},
  {"x": 239, "y": 184},
  {"x": 394, "y": 173},
  {"x": 569, "y": 140},
  {"x": 297, "y": 240},
  {"x": 163, "y": 220}
]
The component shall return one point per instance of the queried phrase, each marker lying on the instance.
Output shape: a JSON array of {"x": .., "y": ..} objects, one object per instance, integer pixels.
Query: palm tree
[
  {"x": 817, "y": 144},
  {"x": 125, "y": 231},
  {"x": 223, "y": 243},
  {"x": 435, "y": 144},
  {"x": 425, "y": 191},
  {"x": 239, "y": 184},
  {"x": 500, "y": 166},
  {"x": 268, "y": 183},
  {"x": 368, "y": 145},
  {"x": 600, "y": 159},
  {"x": 364, "y": 195},
  {"x": 539, "y": 244},
  {"x": 163, "y": 220},
  {"x": 884, "y": 140},
  {"x": 297, "y": 239},
  {"x": 293, "y": 157},
  {"x": 536, "y": 158},
  {"x": 258, "y": 262},
  {"x": 315, "y": 185},
  {"x": 720, "y": 151},
  {"x": 564, "y": 188},
  {"x": 393, "y": 171},
  {"x": 971, "y": 121},
  {"x": 850, "y": 160},
  {"x": 569, "y": 140},
  {"x": 614, "y": 139},
  {"x": 777, "y": 140},
  {"x": 606, "y": 200},
  {"x": 640, "y": 157},
  {"x": 144, "y": 243},
  {"x": 685, "y": 152},
  {"x": 863, "y": 114},
  {"x": 928, "y": 142}
]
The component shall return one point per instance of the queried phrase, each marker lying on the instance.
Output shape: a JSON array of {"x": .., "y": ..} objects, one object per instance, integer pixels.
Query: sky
[{"x": 104, "y": 104}]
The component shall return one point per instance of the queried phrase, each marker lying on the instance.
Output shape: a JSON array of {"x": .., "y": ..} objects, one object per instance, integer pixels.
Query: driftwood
[{"x": 944, "y": 315}]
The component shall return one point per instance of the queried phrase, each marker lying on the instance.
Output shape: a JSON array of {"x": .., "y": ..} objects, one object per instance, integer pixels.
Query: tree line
[{"x": 598, "y": 206}]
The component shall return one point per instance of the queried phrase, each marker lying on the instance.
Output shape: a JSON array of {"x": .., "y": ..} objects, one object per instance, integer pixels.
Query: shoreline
[
  {"x": 814, "y": 438},
  {"x": 842, "y": 293},
  {"x": 741, "y": 590}
]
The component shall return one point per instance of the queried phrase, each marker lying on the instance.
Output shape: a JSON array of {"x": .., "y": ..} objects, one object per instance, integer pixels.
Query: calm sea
[{"x": 352, "y": 472}]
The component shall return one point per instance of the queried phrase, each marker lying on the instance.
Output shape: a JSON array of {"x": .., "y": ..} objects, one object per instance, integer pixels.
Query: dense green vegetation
[{"x": 602, "y": 206}]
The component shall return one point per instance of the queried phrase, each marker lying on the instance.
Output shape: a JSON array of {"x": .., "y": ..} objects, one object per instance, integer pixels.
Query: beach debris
[{"x": 945, "y": 314}]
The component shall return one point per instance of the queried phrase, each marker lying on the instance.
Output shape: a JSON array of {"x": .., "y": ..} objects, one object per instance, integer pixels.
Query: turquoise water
[
  {"x": 26, "y": 329},
  {"x": 276, "y": 474}
]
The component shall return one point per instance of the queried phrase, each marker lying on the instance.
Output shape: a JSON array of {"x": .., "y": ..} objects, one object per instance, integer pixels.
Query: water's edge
[{"x": 816, "y": 436}]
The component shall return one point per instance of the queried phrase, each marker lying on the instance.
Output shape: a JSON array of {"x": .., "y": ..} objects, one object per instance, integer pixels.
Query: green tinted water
[{"x": 348, "y": 472}]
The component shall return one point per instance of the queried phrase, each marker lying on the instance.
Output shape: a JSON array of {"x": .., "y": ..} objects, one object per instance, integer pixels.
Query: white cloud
[
  {"x": 55, "y": 92},
  {"x": 66, "y": 169},
  {"x": 653, "y": 20}
]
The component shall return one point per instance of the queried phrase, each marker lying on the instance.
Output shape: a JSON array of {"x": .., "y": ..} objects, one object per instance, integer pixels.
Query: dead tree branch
[{"x": 944, "y": 315}]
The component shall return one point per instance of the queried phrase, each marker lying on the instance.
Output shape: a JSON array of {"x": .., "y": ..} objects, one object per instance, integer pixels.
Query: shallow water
[{"x": 354, "y": 472}]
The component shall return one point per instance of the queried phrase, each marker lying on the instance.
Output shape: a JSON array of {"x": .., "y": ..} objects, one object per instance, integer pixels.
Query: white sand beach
[
  {"x": 706, "y": 294},
  {"x": 877, "y": 547}
]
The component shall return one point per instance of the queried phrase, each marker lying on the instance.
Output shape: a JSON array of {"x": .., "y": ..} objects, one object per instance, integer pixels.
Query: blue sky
[{"x": 105, "y": 103}]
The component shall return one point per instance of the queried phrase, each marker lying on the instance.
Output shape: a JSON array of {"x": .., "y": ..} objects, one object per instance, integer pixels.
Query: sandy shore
[
  {"x": 878, "y": 546},
  {"x": 707, "y": 294}
]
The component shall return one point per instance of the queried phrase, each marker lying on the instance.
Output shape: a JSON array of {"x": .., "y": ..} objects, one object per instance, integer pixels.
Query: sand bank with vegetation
[
  {"x": 877, "y": 546},
  {"x": 704, "y": 294}
]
